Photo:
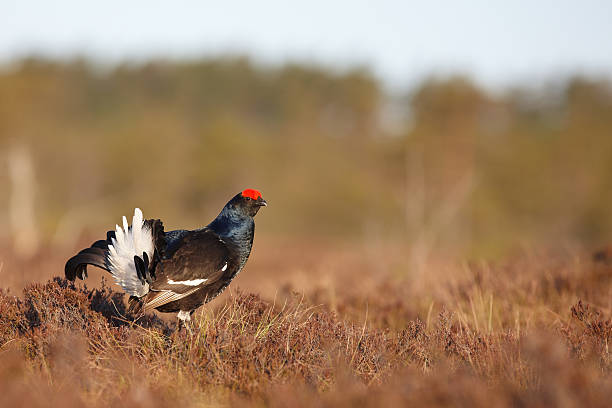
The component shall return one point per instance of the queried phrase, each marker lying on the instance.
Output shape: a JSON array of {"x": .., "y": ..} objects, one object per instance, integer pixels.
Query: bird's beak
[{"x": 261, "y": 202}]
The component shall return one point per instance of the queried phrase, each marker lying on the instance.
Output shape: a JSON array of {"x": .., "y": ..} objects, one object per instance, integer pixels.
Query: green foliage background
[{"x": 447, "y": 163}]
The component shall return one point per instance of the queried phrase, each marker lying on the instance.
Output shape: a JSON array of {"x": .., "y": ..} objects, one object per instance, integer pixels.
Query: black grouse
[{"x": 175, "y": 271}]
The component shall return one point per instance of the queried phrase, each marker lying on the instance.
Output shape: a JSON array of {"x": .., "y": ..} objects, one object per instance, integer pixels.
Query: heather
[{"x": 532, "y": 331}]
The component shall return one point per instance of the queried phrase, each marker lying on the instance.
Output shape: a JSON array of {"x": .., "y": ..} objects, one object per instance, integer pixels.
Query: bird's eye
[{"x": 248, "y": 198}]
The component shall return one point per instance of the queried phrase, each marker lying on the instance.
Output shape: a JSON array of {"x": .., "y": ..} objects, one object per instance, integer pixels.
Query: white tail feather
[{"x": 127, "y": 243}]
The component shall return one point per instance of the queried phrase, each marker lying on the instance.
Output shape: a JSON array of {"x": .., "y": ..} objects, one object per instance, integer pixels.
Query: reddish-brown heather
[{"x": 511, "y": 334}]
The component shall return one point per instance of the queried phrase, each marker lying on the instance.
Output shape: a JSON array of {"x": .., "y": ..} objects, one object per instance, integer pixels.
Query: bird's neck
[
  {"x": 236, "y": 230},
  {"x": 234, "y": 227}
]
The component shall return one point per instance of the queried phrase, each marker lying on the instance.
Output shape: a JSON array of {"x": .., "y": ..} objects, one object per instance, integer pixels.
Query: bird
[{"x": 176, "y": 271}]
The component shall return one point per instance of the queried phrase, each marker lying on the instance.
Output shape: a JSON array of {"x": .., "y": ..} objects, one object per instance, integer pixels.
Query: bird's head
[{"x": 248, "y": 202}]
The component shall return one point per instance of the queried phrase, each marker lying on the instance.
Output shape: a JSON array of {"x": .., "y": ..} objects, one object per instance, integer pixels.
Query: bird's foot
[{"x": 185, "y": 321}]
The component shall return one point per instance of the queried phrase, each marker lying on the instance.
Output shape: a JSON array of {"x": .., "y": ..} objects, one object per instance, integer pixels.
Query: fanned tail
[
  {"x": 96, "y": 255},
  {"x": 128, "y": 244},
  {"x": 119, "y": 253}
]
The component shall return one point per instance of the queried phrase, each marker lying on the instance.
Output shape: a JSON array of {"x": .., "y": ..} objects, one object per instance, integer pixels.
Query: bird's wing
[
  {"x": 200, "y": 261},
  {"x": 156, "y": 299}
]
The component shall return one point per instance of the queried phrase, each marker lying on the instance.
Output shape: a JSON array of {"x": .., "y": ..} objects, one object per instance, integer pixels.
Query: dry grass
[{"x": 533, "y": 331}]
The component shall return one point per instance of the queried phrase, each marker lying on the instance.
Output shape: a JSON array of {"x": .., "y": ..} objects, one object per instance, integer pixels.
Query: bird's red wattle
[{"x": 249, "y": 192}]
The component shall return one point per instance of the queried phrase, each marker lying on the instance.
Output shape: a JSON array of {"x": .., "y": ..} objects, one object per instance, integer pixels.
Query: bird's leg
[{"x": 185, "y": 319}]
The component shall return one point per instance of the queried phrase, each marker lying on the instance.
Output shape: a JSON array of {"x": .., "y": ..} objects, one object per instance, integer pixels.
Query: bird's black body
[{"x": 187, "y": 268}]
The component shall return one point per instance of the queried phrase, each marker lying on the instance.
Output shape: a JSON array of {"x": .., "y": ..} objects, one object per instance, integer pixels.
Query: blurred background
[{"x": 467, "y": 130}]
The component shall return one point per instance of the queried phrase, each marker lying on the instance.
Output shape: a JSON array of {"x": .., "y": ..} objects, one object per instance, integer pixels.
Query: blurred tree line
[{"x": 458, "y": 167}]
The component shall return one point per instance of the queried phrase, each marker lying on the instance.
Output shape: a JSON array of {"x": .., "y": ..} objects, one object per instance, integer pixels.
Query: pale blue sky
[{"x": 496, "y": 42}]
